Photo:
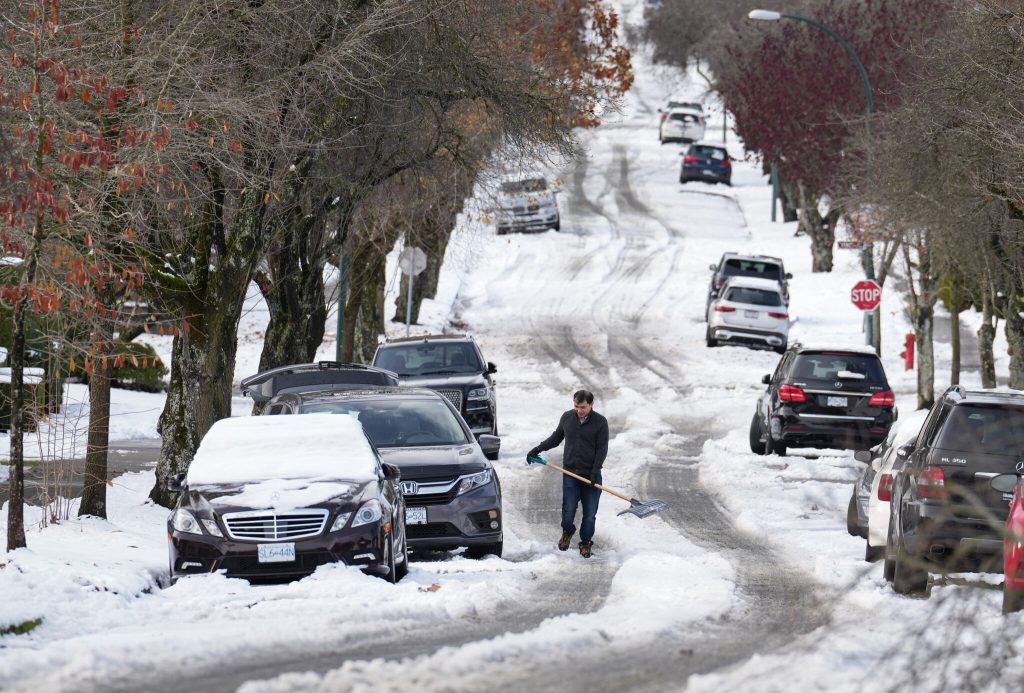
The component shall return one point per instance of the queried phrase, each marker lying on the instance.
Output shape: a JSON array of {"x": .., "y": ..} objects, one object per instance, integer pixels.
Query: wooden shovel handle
[{"x": 588, "y": 481}]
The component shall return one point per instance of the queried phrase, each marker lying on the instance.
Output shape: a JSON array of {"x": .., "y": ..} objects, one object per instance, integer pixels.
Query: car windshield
[
  {"x": 828, "y": 366},
  {"x": 685, "y": 117},
  {"x": 708, "y": 152},
  {"x": 736, "y": 267},
  {"x": 524, "y": 186},
  {"x": 756, "y": 297},
  {"x": 435, "y": 358},
  {"x": 399, "y": 423},
  {"x": 992, "y": 430}
]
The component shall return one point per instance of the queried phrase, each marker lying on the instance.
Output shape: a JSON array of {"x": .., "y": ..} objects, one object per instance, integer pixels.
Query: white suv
[
  {"x": 681, "y": 125},
  {"x": 749, "y": 311},
  {"x": 527, "y": 204}
]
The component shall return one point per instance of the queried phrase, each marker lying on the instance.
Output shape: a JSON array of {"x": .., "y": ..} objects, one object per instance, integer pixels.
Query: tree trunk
[
  {"x": 786, "y": 197},
  {"x": 1015, "y": 338},
  {"x": 94, "y": 488},
  {"x": 923, "y": 324},
  {"x": 199, "y": 393},
  {"x": 986, "y": 338},
  {"x": 370, "y": 319},
  {"x": 821, "y": 230},
  {"x": 298, "y": 316},
  {"x": 16, "y": 478},
  {"x": 954, "y": 340}
]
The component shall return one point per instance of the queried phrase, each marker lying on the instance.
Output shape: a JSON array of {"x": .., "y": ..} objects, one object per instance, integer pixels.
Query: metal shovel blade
[{"x": 644, "y": 508}]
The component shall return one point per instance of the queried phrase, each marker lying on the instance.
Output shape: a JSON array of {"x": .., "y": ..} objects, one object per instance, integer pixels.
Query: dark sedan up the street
[{"x": 274, "y": 498}]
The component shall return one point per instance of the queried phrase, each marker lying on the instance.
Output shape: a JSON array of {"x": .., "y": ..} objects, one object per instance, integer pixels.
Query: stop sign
[{"x": 866, "y": 294}]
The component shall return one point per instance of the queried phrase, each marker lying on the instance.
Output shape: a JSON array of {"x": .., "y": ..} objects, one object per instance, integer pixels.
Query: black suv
[
  {"x": 823, "y": 397},
  {"x": 320, "y": 375},
  {"x": 739, "y": 265},
  {"x": 454, "y": 366},
  {"x": 944, "y": 511},
  {"x": 452, "y": 494}
]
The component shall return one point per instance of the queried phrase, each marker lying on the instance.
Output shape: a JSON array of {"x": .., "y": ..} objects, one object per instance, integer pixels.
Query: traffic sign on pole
[{"x": 866, "y": 294}]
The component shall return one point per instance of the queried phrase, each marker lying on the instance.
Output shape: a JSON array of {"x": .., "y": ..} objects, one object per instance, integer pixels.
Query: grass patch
[
  {"x": 27, "y": 463},
  {"x": 21, "y": 628}
]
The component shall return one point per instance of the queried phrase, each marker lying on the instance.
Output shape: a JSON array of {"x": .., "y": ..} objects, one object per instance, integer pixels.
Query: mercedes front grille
[{"x": 267, "y": 525}]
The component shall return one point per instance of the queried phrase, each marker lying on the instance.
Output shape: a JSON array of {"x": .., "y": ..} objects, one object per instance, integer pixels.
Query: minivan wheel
[
  {"x": 756, "y": 446},
  {"x": 477, "y": 552},
  {"x": 889, "y": 567},
  {"x": 392, "y": 574},
  {"x": 852, "y": 525}
]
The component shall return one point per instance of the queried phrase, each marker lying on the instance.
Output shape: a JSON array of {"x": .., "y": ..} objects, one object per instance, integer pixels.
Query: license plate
[
  {"x": 415, "y": 516},
  {"x": 275, "y": 553},
  {"x": 750, "y": 313},
  {"x": 837, "y": 401},
  {"x": 708, "y": 172}
]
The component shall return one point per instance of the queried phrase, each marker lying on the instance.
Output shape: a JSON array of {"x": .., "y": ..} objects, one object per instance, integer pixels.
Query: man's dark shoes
[
  {"x": 585, "y": 547},
  {"x": 563, "y": 543}
]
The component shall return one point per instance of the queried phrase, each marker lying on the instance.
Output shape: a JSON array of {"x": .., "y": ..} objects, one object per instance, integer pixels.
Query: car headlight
[
  {"x": 212, "y": 528},
  {"x": 185, "y": 522},
  {"x": 479, "y": 393},
  {"x": 370, "y": 512},
  {"x": 474, "y": 481},
  {"x": 340, "y": 521}
]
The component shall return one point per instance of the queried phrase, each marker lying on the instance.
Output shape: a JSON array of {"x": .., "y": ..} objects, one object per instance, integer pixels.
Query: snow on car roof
[
  {"x": 754, "y": 283},
  {"x": 844, "y": 348},
  {"x": 249, "y": 449}
]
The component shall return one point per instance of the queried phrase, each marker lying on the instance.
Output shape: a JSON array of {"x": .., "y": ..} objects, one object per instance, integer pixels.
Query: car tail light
[
  {"x": 885, "y": 398},
  {"x": 931, "y": 483},
  {"x": 725, "y": 309},
  {"x": 791, "y": 393},
  {"x": 773, "y": 314},
  {"x": 885, "y": 487},
  {"x": 663, "y": 116},
  {"x": 689, "y": 159},
  {"x": 726, "y": 163}
]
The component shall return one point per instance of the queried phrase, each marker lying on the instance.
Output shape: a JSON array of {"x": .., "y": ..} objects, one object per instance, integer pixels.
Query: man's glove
[{"x": 532, "y": 453}]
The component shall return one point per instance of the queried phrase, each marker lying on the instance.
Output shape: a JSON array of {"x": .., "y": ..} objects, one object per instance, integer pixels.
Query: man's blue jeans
[{"x": 573, "y": 492}]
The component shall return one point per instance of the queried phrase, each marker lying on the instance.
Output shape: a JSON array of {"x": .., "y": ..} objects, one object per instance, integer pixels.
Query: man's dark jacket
[{"x": 586, "y": 444}]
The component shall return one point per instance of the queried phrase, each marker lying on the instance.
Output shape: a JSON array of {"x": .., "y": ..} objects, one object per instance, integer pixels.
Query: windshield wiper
[{"x": 444, "y": 372}]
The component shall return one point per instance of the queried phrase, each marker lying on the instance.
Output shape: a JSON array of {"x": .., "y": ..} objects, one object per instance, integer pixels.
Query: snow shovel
[{"x": 636, "y": 507}]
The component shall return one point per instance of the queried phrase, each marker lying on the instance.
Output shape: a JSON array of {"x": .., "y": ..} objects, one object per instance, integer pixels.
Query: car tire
[
  {"x": 873, "y": 554},
  {"x": 478, "y": 552},
  {"x": 557, "y": 226},
  {"x": 772, "y": 446},
  {"x": 908, "y": 576},
  {"x": 502, "y": 232},
  {"x": 709, "y": 340},
  {"x": 683, "y": 181},
  {"x": 1013, "y": 600},
  {"x": 402, "y": 568},
  {"x": 852, "y": 523},
  {"x": 392, "y": 573},
  {"x": 889, "y": 567},
  {"x": 756, "y": 446}
]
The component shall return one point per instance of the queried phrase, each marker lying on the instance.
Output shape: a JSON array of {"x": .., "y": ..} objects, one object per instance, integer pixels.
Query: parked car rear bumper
[
  {"x": 932, "y": 530},
  {"x": 749, "y": 336},
  {"x": 829, "y": 431}
]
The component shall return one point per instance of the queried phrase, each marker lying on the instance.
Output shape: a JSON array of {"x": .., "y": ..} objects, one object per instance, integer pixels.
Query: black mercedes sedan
[{"x": 269, "y": 498}]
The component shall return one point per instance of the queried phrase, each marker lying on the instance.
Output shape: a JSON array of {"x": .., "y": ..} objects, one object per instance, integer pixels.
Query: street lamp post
[{"x": 867, "y": 253}]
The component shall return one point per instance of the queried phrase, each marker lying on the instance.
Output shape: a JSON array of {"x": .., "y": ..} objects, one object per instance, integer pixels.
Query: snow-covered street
[{"x": 748, "y": 581}]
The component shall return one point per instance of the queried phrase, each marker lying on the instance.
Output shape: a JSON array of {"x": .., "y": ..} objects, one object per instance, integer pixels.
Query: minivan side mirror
[
  {"x": 713, "y": 268},
  {"x": 789, "y": 275},
  {"x": 1005, "y": 483},
  {"x": 176, "y": 482},
  {"x": 766, "y": 379},
  {"x": 490, "y": 445},
  {"x": 392, "y": 471},
  {"x": 491, "y": 368},
  {"x": 863, "y": 456}
]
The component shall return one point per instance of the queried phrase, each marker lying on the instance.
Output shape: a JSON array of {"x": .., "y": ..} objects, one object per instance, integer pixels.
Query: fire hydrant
[{"x": 908, "y": 351}]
